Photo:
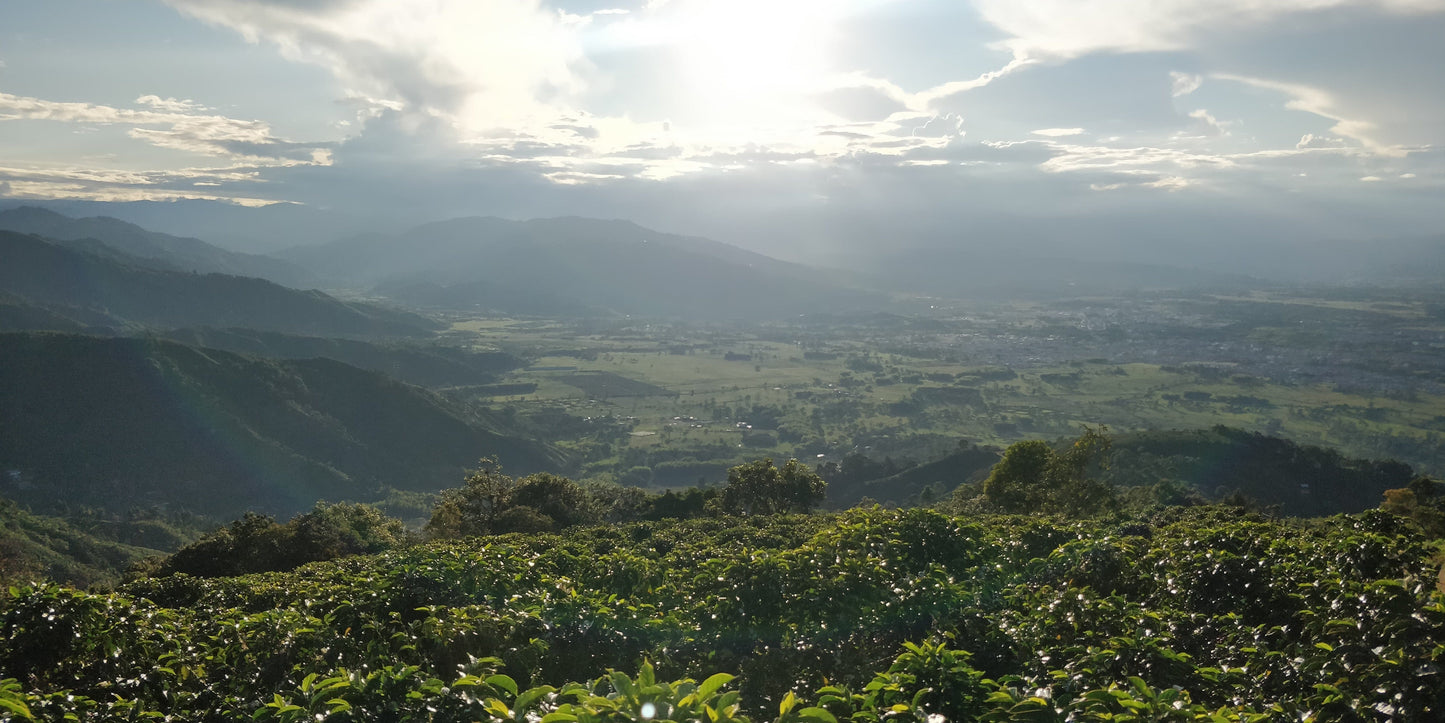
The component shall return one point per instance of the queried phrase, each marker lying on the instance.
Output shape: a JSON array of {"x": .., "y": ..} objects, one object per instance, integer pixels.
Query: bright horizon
[{"x": 779, "y": 124}]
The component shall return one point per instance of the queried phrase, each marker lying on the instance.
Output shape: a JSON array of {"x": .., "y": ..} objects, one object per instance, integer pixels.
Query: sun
[{"x": 746, "y": 57}]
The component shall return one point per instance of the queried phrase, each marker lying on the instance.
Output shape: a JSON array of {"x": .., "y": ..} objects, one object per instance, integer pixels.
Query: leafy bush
[
  {"x": 257, "y": 543},
  {"x": 1201, "y": 614}
]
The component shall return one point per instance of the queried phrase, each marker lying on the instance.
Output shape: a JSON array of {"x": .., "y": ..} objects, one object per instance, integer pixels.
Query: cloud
[
  {"x": 946, "y": 125},
  {"x": 1320, "y": 102},
  {"x": 1058, "y": 132},
  {"x": 207, "y": 134},
  {"x": 480, "y": 64},
  {"x": 170, "y": 104},
  {"x": 1310, "y": 140},
  {"x": 930, "y": 97},
  {"x": 122, "y": 186},
  {"x": 1212, "y": 126},
  {"x": 1185, "y": 83},
  {"x": 1063, "y": 29},
  {"x": 859, "y": 97}
]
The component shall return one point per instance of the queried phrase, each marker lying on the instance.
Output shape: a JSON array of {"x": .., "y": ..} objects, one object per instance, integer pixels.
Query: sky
[{"x": 797, "y": 127}]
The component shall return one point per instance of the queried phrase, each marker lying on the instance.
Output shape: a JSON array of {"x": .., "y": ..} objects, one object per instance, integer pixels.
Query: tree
[
  {"x": 472, "y": 509},
  {"x": 1032, "y": 477},
  {"x": 346, "y": 528},
  {"x": 257, "y": 543},
  {"x": 558, "y": 498},
  {"x": 760, "y": 488},
  {"x": 1420, "y": 501}
]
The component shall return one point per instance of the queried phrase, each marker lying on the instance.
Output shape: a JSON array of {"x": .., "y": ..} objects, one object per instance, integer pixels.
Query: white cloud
[
  {"x": 481, "y": 64},
  {"x": 1310, "y": 140},
  {"x": 1320, "y": 102},
  {"x": 1185, "y": 83},
  {"x": 928, "y": 98},
  {"x": 208, "y": 134},
  {"x": 122, "y": 186},
  {"x": 170, "y": 105},
  {"x": 1058, "y": 132},
  {"x": 1063, "y": 29},
  {"x": 1213, "y": 126}
]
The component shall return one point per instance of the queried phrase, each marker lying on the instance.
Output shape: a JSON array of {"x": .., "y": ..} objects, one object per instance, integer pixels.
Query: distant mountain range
[
  {"x": 577, "y": 266},
  {"x": 1154, "y": 248},
  {"x": 102, "y": 289},
  {"x": 156, "y": 250},
  {"x": 116, "y": 423}
]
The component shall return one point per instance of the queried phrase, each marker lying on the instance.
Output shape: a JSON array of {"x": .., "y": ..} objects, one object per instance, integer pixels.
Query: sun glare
[{"x": 747, "y": 56}]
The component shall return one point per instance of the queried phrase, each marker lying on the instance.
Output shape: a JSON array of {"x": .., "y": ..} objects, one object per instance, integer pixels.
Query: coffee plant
[{"x": 1204, "y": 614}]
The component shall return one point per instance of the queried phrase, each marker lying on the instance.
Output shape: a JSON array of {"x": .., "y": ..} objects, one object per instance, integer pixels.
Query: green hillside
[
  {"x": 423, "y": 365},
  {"x": 116, "y": 423},
  {"x": 1304, "y": 480},
  {"x": 158, "y": 249},
  {"x": 44, "y": 273},
  {"x": 37, "y": 548},
  {"x": 1202, "y": 615}
]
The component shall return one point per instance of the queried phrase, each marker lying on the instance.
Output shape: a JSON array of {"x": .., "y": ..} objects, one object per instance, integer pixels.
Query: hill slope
[
  {"x": 36, "y": 547},
  {"x": 170, "y": 252},
  {"x": 45, "y": 273},
  {"x": 1303, "y": 480},
  {"x": 427, "y": 366},
  {"x": 118, "y": 423},
  {"x": 576, "y": 266}
]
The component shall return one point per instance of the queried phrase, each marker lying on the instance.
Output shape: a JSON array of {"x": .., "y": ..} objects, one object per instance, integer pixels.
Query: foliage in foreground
[{"x": 1200, "y": 614}]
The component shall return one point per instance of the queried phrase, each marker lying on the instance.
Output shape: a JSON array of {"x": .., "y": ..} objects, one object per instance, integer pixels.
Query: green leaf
[
  {"x": 817, "y": 714},
  {"x": 622, "y": 684},
  {"x": 712, "y": 685},
  {"x": 525, "y": 700},
  {"x": 15, "y": 706},
  {"x": 503, "y": 682},
  {"x": 789, "y": 701}
]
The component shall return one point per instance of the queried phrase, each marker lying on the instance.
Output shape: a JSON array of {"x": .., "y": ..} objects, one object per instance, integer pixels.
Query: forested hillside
[
  {"x": 414, "y": 363},
  {"x": 162, "y": 250},
  {"x": 47, "y": 274},
  {"x": 115, "y": 423}
]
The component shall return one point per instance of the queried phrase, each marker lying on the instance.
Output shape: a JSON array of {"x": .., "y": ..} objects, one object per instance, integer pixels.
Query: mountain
[
  {"x": 427, "y": 366},
  {"x": 125, "y": 422},
  {"x": 48, "y": 275},
  {"x": 576, "y": 266},
  {"x": 39, "y": 547},
  {"x": 249, "y": 229},
  {"x": 162, "y": 250}
]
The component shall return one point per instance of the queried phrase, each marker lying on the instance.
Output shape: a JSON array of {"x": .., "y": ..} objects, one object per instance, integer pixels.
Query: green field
[{"x": 694, "y": 395}]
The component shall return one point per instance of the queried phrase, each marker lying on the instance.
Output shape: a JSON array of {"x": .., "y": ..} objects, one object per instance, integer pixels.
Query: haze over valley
[{"x": 803, "y": 362}]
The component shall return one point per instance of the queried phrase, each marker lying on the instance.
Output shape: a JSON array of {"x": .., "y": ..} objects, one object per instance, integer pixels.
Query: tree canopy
[{"x": 760, "y": 488}]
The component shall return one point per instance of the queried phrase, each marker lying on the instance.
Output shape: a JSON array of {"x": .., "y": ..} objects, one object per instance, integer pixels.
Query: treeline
[
  {"x": 488, "y": 503},
  {"x": 1086, "y": 477}
]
